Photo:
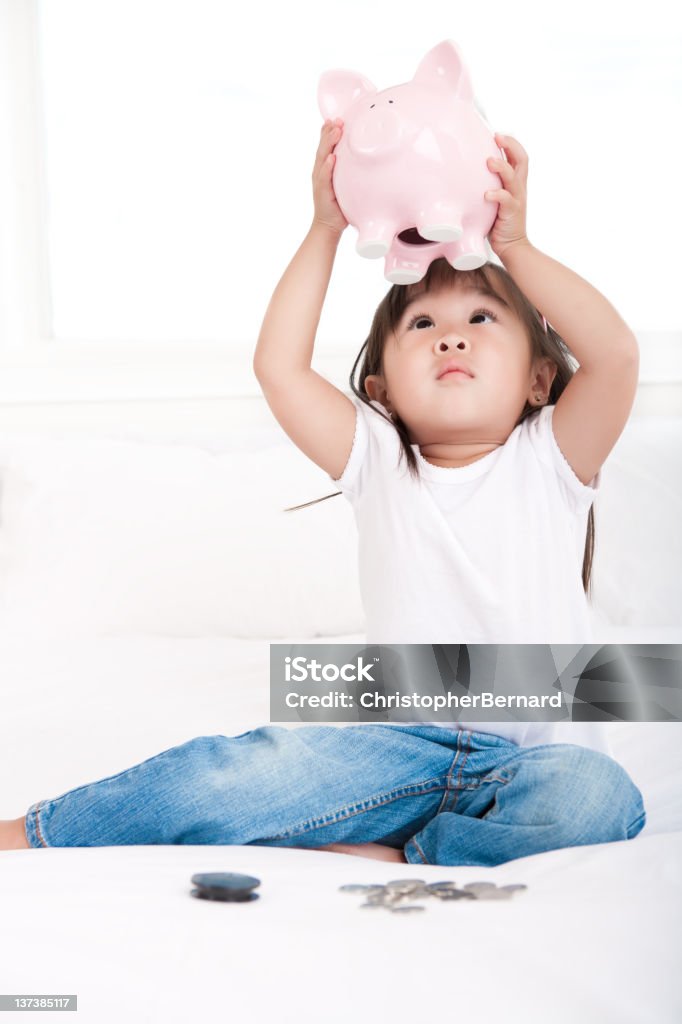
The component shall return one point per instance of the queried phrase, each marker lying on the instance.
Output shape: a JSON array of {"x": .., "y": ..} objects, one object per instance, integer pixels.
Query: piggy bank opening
[{"x": 410, "y": 172}]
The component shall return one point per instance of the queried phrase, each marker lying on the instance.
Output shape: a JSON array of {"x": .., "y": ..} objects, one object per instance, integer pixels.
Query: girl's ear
[
  {"x": 545, "y": 372},
  {"x": 376, "y": 389}
]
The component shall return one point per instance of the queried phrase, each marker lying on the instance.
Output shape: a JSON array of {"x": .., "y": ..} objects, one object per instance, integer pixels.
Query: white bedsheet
[{"x": 596, "y": 936}]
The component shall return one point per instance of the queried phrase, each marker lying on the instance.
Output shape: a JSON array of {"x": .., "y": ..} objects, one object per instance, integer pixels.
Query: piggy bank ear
[
  {"x": 338, "y": 89},
  {"x": 443, "y": 68}
]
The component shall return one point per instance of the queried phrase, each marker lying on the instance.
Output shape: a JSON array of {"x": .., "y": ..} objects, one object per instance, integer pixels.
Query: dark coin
[
  {"x": 218, "y": 896},
  {"x": 228, "y": 881}
]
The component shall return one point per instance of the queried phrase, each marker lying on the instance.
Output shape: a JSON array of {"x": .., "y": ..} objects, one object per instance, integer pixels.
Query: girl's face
[{"x": 485, "y": 337}]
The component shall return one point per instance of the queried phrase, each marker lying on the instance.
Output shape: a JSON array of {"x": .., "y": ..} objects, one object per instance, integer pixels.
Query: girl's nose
[{"x": 451, "y": 342}]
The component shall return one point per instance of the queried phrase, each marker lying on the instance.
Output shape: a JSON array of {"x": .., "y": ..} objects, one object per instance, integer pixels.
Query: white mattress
[{"x": 596, "y": 936}]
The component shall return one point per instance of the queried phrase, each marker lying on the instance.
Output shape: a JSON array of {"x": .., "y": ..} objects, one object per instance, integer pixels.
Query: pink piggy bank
[{"x": 410, "y": 170}]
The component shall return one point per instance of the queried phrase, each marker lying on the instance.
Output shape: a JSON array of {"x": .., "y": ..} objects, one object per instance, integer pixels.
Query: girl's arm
[
  {"x": 318, "y": 418},
  {"x": 594, "y": 407}
]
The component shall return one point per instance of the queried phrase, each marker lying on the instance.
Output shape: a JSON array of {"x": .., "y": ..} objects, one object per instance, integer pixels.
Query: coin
[
  {"x": 405, "y": 881},
  {"x": 226, "y": 880},
  {"x": 420, "y": 893},
  {"x": 400, "y": 894},
  {"x": 218, "y": 897},
  {"x": 479, "y": 886},
  {"x": 455, "y": 894},
  {"x": 403, "y": 887},
  {"x": 356, "y": 887},
  {"x": 382, "y": 897}
]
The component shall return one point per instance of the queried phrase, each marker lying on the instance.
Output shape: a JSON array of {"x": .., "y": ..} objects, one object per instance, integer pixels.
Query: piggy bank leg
[
  {"x": 400, "y": 268},
  {"x": 374, "y": 238},
  {"x": 468, "y": 253},
  {"x": 440, "y": 222}
]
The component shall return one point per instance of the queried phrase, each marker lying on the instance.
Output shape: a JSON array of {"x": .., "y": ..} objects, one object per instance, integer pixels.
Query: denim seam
[
  {"x": 419, "y": 850},
  {"x": 350, "y": 810},
  {"x": 457, "y": 787},
  {"x": 640, "y": 817},
  {"x": 39, "y": 833},
  {"x": 448, "y": 778}
]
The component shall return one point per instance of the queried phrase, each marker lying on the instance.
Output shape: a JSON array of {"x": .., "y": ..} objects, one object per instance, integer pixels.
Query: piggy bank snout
[{"x": 377, "y": 132}]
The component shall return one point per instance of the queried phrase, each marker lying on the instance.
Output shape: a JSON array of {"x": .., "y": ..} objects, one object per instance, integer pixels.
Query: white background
[{"x": 158, "y": 158}]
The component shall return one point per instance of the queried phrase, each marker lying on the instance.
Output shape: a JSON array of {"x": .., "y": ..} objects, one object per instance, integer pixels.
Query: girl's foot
[
  {"x": 13, "y": 835},
  {"x": 373, "y": 850}
]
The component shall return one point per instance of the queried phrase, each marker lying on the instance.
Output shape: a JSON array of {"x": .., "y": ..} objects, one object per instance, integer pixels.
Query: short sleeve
[
  {"x": 579, "y": 496},
  {"x": 350, "y": 478}
]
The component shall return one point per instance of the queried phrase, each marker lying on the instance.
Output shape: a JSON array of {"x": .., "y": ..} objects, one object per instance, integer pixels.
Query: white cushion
[
  {"x": 116, "y": 536},
  {"x": 637, "y": 572}
]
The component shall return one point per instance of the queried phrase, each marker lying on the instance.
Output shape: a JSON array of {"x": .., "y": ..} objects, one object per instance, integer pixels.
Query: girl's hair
[{"x": 495, "y": 281}]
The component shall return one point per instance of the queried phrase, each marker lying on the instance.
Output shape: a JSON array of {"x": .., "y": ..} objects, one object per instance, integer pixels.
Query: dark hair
[{"x": 495, "y": 281}]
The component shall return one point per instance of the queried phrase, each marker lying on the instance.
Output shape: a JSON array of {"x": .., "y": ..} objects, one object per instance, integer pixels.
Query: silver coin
[
  {"x": 455, "y": 894},
  {"x": 479, "y": 886},
  {"x": 407, "y": 909},
  {"x": 404, "y": 881},
  {"x": 382, "y": 897},
  {"x": 494, "y": 894},
  {"x": 513, "y": 888},
  {"x": 371, "y": 906},
  {"x": 352, "y": 887},
  {"x": 374, "y": 890},
  {"x": 421, "y": 893},
  {"x": 441, "y": 886}
]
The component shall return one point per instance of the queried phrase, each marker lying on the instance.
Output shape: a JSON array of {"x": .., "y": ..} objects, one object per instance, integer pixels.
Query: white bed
[
  {"x": 141, "y": 583},
  {"x": 596, "y": 936}
]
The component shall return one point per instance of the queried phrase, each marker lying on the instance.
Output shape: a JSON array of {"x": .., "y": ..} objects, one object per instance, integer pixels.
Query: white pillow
[
  {"x": 637, "y": 569},
  {"x": 110, "y": 536},
  {"x": 133, "y": 536}
]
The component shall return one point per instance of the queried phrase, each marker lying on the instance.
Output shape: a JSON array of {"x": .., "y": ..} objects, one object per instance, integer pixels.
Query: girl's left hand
[{"x": 510, "y": 225}]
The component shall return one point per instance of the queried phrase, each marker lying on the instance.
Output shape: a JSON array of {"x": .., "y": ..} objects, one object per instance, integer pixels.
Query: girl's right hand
[{"x": 327, "y": 209}]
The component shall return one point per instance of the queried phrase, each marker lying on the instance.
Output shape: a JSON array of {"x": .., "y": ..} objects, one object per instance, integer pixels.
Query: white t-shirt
[{"x": 489, "y": 553}]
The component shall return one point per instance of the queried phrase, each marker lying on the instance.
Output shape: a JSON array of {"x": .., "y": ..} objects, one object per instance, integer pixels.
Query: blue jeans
[{"x": 443, "y": 796}]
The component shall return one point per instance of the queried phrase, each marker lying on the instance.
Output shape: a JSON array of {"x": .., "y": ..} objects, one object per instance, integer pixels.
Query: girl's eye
[{"x": 425, "y": 316}]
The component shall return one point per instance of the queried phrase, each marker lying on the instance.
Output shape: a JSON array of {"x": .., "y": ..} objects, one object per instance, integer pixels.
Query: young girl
[{"x": 471, "y": 455}]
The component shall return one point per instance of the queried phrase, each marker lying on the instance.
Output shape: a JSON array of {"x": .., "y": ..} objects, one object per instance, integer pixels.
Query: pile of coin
[{"x": 398, "y": 896}]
